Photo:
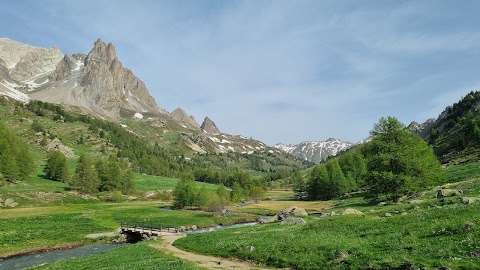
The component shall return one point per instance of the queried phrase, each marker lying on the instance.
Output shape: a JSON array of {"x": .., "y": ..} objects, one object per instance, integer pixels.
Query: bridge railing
[{"x": 140, "y": 226}]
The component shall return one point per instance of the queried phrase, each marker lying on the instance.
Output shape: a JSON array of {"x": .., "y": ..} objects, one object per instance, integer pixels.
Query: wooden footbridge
[
  {"x": 137, "y": 231},
  {"x": 140, "y": 228}
]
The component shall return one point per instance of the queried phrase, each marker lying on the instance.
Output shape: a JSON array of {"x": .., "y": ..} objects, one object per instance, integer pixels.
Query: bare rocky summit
[
  {"x": 182, "y": 116},
  {"x": 209, "y": 126}
]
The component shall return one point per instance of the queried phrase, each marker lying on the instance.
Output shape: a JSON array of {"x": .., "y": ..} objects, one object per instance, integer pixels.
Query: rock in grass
[
  {"x": 469, "y": 200},
  {"x": 293, "y": 221},
  {"x": 351, "y": 211},
  {"x": 295, "y": 211},
  {"x": 448, "y": 192},
  {"x": 10, "y": 203},
  {"x": 388, "y": 215}
]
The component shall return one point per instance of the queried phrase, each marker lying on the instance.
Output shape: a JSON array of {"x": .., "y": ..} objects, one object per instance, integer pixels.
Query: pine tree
[
  {"x": 57, "y": 167},
  {"x": 16, "y": 163},
  {"x": 399, "y": 161},
  {"x": 86, "y": 178},
  {"x": 337, "y": 179},
  {"x": 184, "y": 192}
]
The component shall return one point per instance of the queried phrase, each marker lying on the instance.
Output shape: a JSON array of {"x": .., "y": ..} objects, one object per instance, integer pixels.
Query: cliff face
[{"x": 110, "y": 85}]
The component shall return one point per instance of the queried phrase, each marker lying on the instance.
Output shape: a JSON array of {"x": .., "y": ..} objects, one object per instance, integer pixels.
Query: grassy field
[
  {"x": 149, "y": 182},
  {"x": 462, "y": 172},
  {"x": 132, "y": 257},
  {"x": 27, "y": 228},
  {"x": 420, "y": 239}
]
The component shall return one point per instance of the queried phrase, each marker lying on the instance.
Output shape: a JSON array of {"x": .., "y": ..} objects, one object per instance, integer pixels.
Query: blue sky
[{"x": 278, "y": 71}]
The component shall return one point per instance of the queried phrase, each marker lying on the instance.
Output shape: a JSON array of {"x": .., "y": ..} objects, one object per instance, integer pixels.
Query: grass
[
  {"x": 462, "y": 172},
  {"x": 36, "y": 227},
  {"x": 132, "y": 257},
  {"x": 434, "y": 238},
  {"x": 145, "y": 182},
  {"x": 23, "y": 233}
]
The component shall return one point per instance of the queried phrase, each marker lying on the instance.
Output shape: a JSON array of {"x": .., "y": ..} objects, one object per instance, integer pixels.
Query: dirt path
[{"x": 209, "y": 262}]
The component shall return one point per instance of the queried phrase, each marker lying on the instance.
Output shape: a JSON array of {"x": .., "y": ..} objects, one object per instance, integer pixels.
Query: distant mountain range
[{"x": 315, "y": 151}]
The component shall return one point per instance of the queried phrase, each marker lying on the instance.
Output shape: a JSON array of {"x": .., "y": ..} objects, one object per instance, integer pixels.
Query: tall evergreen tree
[
  {"x": 184, "y": 192},
  {"x": 16, "y": 163},
  {"x": 337, "y": 179},
  {"x": 56, "y": 167},
  {"x": 86, "y": 178},
  {"x": 399, "y": 161}
]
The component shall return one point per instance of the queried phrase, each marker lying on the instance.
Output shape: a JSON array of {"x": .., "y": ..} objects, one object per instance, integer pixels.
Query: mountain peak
[
  {"x": 209, "y": 126},
  {"x": 102, "y": 52},
  {"x": 181, "y": 115}
]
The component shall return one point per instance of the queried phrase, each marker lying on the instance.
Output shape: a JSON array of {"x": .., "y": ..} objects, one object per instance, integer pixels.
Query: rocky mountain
[
  {"x": 99, "y": 85},
  {"x": 315, "y": 151},
  {"x": 182, "y": 116},
  {"x": 209, "y": 126}
]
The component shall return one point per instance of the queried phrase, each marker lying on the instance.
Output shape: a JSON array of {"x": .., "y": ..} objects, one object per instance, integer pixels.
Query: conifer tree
[
  {"x": 57, "y": 167},
  {"x": 399, "y": 161},
  {"x": 86, "y": 178}
]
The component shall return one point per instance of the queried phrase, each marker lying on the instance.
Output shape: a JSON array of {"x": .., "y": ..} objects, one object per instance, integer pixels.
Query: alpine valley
[{"x": 88, "y": 157}]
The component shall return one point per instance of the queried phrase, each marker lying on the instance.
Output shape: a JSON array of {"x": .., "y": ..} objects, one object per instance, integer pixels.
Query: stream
[{"x": 32, "y": 260}]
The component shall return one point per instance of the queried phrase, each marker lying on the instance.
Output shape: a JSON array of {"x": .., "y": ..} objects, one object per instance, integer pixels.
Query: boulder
[
  {"x": 351, "y": 211},
  {"x": 10, "y": 203},
  {"x": 295, "y": 211},
  {"x": 388, "y": 215},
  {"x": 293, "y": 221},
  {"x": 448, "y": 193},
  {"x": 194, "y": 227},
  {"x": 468, "y": 200},
  {"x": 382, "y": 203}
]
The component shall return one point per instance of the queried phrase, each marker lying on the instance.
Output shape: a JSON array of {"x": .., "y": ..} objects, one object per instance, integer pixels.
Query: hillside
[
  {"x": 47, "y": 126},
  {"x": 455, "y": 134}
]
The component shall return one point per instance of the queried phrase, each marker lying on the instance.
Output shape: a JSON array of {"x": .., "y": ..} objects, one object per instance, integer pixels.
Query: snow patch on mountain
[{"x": 315, "y": 151}]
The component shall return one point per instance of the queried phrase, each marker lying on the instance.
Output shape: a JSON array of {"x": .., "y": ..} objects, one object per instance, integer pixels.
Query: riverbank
[{"x": 40, "y": 250}]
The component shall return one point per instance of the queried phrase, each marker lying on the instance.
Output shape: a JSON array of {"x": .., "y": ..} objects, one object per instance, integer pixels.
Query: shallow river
[{"x": 32, "y": 260}]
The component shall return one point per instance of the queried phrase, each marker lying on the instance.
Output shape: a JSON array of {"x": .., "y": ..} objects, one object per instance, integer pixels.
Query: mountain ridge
[{"x": 315, "y": 151}]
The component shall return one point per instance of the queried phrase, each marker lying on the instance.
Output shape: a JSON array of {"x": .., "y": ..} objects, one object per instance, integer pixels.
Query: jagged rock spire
[{"x": 209, "y": 126}]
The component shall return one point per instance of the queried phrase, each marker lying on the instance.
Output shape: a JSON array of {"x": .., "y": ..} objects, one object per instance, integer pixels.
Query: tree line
[
  {"x": 187, "y": 195},
  {"x": 110, "y": 174}
]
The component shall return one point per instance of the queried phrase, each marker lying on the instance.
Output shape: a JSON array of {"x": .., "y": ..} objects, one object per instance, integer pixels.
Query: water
[{"x": 32, "y": 260}]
